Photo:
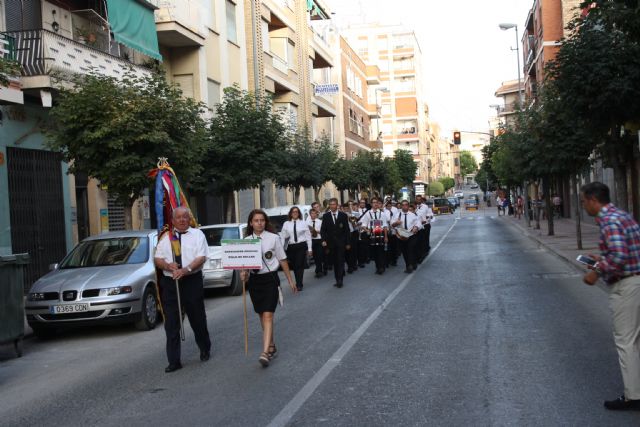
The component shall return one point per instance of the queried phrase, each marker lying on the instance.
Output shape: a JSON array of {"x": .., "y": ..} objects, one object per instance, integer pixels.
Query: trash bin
[{"x": 12, "y": 299}]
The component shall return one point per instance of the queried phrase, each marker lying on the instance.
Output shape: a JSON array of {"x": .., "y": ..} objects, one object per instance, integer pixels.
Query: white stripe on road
[{"x": 307, "y": 390}]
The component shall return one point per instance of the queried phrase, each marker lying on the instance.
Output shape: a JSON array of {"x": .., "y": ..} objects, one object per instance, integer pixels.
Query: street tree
[
  {"x": 597, "y": 73},
  {"x": 468, "y": 164},
  {"x": 115, "y": 131},
  {"x": 447, "y": 182},
  {"x": 407, "y": 167},
  {"x": 245, "y": 139},
  {"x": 435, "y": 188},
  {"x": 346, "y": 175}
]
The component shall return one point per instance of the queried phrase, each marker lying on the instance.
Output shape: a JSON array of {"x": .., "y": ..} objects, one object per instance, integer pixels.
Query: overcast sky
[{"x": 466, "y": 56}]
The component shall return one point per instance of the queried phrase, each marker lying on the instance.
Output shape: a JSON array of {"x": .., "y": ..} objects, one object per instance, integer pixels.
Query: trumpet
[{"x": 314, "y": 232}]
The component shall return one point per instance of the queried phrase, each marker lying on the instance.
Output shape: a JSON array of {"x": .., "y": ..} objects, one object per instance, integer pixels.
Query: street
[{"x": 492, "y": 329}]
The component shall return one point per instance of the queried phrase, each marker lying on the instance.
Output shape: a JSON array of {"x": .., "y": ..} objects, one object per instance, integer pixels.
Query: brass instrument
[{"x": 314, "y": 232}]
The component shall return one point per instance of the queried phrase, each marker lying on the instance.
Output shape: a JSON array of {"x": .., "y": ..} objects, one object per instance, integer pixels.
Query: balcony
[
  {"x": 180, "y": 23},
  {"x": 323, "y": 57},
  {"x": 41, "y": 53},
  {"x": 373, "y": 75},
  {"x": 10, "y": 94},
  {"x": 323, "y": 103}
]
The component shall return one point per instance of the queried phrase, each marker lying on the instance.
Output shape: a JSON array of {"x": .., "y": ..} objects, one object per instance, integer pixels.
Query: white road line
[{"x": 287, "y": 413}]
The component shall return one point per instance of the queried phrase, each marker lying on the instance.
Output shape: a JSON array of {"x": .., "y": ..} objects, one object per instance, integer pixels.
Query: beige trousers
[{"x": 625, "y": 305}]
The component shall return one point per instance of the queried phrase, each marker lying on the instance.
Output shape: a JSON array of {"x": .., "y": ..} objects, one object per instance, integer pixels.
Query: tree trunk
[
  {"x": 128, "y": 216},
  {"x": 577, "y": 216},
  {"x": 620, "y": 181},
  {"x": 525, "y": 191},
  {"x": 548, "y": 207},
  {"x": 316, "y": 194},
  {"x": 534, "y": 205},
  {"x": 230, "y": 208},
  {"x": 635, "y": 201}
]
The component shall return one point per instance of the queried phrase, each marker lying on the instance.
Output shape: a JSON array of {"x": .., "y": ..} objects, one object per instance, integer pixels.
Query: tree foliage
[
  {"x": 468, "y": 164},
  {"x": 447, "y": 182},
  {"x": 8, "y": 68},
  {"x": 407, "y": 167},
  {"x": 115, "y": 130},
  {"x": 435, "y": 189}
]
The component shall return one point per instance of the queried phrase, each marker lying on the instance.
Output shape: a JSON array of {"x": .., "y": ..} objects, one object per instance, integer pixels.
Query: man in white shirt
[
  {"x": 392, "y": 248},
  {"x": 410, "y": 222},
  {"x": 181, "y": 258},
  {"x": 376, "y": 224},
  {"x": 315, "y": 224},
  {"x": 425, "y": 214}
]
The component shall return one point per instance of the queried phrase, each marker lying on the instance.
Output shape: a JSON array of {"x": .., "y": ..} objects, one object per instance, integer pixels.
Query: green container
[{"x": 11, "y": 299}]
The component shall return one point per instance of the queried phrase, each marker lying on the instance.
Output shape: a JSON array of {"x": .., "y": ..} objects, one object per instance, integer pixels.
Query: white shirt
[
  {"x": 412, "y": 220},
  {"x": 318, "y": 224},
  {"x": 372, "y": 216},
  {"x": 390, "y": 215},
  {"x": 193, "y": 244},
  {"x": 272, "y": 251},
  {"x": 425, "y": 213},
  {"x": 302, "y": 232}
]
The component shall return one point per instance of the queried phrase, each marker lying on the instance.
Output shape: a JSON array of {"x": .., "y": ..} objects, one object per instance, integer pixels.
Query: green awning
[{"x": 133, "y": 25}]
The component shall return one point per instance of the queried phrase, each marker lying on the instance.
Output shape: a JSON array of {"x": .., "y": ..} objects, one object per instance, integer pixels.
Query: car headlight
[
  {"x": 115, "y": 291},
  {"x": 36, "y": 296},
  {"x": 215, "y": 264}
]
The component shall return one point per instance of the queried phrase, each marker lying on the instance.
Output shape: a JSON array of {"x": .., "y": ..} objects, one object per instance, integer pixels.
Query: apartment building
[
  {"x": 544, "y": 28},
  {"x": 43, "y": 210},
  {"x": 403, "y": 122},
  {"x": 203, "y": 46},
  {"x": 288, "y": 56},
  {"x": 509, "y": 94}
]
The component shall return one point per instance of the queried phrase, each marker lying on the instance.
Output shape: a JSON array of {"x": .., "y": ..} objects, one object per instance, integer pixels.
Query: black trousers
[
  {"x": 392, "y": 250},
  {"x": 363, "y": 250},
  {"x": 408, "y": 248},
  {"x": 427, "y": 236},
  {"x": 337, "y": 257},
  {"x": 318, "y": 256},
  {"x": 352, "y": 254},
  {"x": 378, "y": 255},
  {"x": 192, "y": 299},
  {"x": 420, "y": 245},
  {"x": 296, "y": 254}
]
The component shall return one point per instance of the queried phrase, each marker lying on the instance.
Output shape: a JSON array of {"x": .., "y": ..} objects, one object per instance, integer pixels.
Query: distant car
[
  {"x": 471, "y": 204},
  {"x": 106, "y": 278},
  {"x": 213, "y": 274},
  {"x": 473, "y": 186},
  {"x": 459, "y": 194},
  {"x": 441, "y": 206}
]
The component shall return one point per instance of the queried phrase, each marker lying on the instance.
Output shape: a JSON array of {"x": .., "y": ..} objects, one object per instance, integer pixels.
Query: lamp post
[
  {"x": 379, "y": 112},
  {"x": 505, "y": 27}
]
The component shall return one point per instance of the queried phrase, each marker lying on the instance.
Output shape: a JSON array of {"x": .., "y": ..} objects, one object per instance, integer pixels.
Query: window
[
  {"x": 213, "y": 94},
  {"x": 386, "y": 109},
  {"x": 387, "y": 128},
  {"x": 406, "y": 84},
  {"x": 232, "y": 33},
  {"x": 291, "y": 56},
  {"x": 403, "y": 64},
  {"x": 266, "y": 45},
  {"x": 408, "y": 127}
]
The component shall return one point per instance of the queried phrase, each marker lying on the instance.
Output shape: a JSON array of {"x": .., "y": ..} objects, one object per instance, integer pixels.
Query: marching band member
[
  {"x": 363, "y": 236},
  {"x": 375, "y": 224},
  {"x": 425, "y": 214},
  {"x": 350, "y": 255},
  {"x": 296, "y": 232},
  {"x": 264, "y": 284},
  {"x": 409, "y": 223},
  {"x": 392, "y": 248},
  {"x": 314, "y": 223},
  {"x": 335, "y": 237},
  {"x": 354, "y": 215}
]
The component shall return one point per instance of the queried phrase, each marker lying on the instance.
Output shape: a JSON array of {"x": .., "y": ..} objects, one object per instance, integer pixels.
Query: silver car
[
  {"x": 105, "y": 278},
  {"x": 213, "y": 273}
]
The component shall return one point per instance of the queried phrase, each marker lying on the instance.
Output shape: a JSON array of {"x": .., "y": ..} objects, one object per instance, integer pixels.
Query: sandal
[
  {"x": 264, "y": 359},
  {"x": 273, "y": 351}
]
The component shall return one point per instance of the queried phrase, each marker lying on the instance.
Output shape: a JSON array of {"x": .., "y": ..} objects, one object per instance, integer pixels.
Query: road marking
[{"x": 287, "y": 413}]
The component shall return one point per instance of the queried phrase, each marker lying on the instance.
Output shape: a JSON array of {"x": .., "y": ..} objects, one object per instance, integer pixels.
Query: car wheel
[
  {"x": 42, "y": 332},
  {"x": 148, "y": 316},
  {"x": 236, "y": 285}
]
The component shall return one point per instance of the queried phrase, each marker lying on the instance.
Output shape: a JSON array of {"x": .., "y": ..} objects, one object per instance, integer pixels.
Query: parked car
[
  {"x": 441, "y": 206},
  {"x": 105, "y": 278},
  {"x": 471, "y": 204},
  {"x": 213, "y": 273},
  {"x": 279, "y": 215},
  {"x": 459, "y": 194},
  {"x": 473, "y": 186}
]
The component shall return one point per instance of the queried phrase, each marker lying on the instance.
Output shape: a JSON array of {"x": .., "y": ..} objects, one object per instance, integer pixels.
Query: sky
[{"x": 466, "y": 56}]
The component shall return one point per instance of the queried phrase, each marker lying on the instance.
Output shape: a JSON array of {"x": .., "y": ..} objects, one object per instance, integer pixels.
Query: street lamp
[
  {"x": 505, "y": 27},
  {"x": 383, "y": 90}
]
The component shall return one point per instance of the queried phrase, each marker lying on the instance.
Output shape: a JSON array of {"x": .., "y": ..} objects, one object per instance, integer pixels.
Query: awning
[{"x": 133, "y": 25}]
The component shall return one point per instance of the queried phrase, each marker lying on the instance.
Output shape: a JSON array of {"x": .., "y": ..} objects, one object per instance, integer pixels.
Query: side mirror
[{"x": 53, "y": 266}]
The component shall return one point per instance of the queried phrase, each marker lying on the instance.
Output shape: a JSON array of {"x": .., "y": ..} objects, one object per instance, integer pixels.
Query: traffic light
[{"x": 456, "y": 138}]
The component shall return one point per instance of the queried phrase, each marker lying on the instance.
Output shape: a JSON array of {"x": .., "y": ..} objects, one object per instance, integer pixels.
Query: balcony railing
[
  {"x": 280, "y": 64},
  {"x": 189, "y": 13},
  {"x": 7, "y": 46},
  {"x": 40, "y": 52}
]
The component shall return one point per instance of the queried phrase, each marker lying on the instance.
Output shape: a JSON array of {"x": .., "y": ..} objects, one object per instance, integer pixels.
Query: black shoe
[
  {"x": 324, "y": 273},
  {"x": 350, "y": 270},
  {"x": 172, "y": 367},
  {"x": 394, "y": 264},
  {"x": 337, "y": 285},
  {"x": 622, "y": 404},
  {"x": 318, "y": 275},
  {"x": 299, "y": 288},
  {"x": 415, "y": 267},
  {"x": 408, "y": 270},
  {"x": 361, "y": 265},
  {"x": 205, "y": 355}
]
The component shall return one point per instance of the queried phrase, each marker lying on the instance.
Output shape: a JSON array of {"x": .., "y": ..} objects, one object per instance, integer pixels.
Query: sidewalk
[{"x": 564, "y": 242}]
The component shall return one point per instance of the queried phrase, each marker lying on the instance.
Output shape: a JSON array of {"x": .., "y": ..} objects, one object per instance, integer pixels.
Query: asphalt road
[{"x": 491, "y": 330}]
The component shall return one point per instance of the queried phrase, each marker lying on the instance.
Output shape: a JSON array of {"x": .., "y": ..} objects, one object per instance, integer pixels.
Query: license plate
[{"x": 69, "y": 308}]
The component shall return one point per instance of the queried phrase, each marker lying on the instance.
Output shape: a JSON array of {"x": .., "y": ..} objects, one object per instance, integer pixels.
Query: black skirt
[{"x": 263, "y": 290}]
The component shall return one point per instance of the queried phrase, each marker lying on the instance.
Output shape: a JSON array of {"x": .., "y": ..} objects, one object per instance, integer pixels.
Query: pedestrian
[
  {"x": 354, "y": 216},
  {"x": 375, "y": 224},
  {"x": 519, "y": 206},
  {"x": 391, "y": 212},
  {"x": 296, "y": 239},
  {"x": 351, "y": 256},
  {"x": 425, "y": 214},
  {"x": 557, "y": 206},
  {"x": 316, "y": 207},
  {"x": 336, "y": 238},
  {"x": 409, "y": 223},
  {"x": 363, "y": 236},
  {"x": 314, "y": 223},
  {"x": 264, "y": 284},
  {"x": 499, "y": 205},
  {"x": 619, "y": 266},
  {"x": 181, "y": 264}
]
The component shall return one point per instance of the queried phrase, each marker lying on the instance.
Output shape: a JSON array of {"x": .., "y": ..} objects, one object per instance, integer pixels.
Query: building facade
[{"x": 509, "y": 94}]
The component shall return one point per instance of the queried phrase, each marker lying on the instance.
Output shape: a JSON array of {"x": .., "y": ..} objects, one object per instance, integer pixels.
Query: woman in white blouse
[{"x": 296, "y": 233}]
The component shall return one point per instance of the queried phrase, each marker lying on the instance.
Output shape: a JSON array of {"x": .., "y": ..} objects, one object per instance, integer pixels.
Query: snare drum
[{"x": 377, "y": 232}]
